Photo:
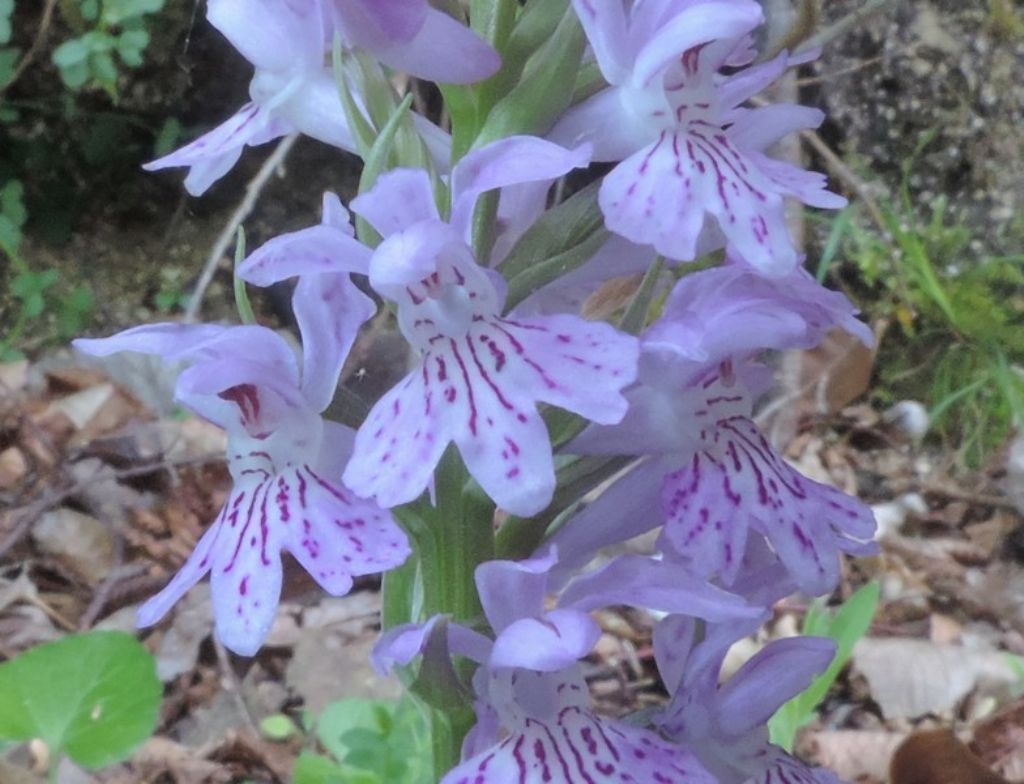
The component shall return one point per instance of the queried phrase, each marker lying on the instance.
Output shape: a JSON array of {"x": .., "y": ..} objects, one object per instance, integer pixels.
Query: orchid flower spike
[
  {"x": 534, "y": 719},
  {"x": 285, "y": 460},
  {"x": 687, "y": 146},
  {"x": 707, "y": 471},
  {"x": 480, "y": 374}
]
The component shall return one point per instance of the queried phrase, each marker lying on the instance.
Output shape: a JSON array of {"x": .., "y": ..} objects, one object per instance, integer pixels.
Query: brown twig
[
  {"x": 232, "y": 683},
  {"x": 242, "y": 211},
  {"x": 37, "y": 44},
  {"x": 846, "y": 174},
  {"x": 844, "y": 25}
]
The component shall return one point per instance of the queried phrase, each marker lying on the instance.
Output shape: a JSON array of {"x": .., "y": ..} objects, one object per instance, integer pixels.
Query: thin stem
[{"x": 451, "y": 538}]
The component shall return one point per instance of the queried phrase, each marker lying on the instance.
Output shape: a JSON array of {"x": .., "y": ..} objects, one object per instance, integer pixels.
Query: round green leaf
[
  {"x": 71, "y": 53},
  {"x": 93, "y": 697}
]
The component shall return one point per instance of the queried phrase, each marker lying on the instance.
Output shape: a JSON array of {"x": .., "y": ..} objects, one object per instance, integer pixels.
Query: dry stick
[
  {"x": 844, "y": 25},
  {"x": 233, "y": 684},
  {"x": 242, "y": 211},
  {"x": 37, "y": 44},
  {"x": 845, "y": 173}
]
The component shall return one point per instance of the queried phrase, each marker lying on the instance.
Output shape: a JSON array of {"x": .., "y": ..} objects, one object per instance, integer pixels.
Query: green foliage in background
[
  {"x": 846, "y": 625},
  {"x": 34, "y": 294},
  {"x": 110, "y": 28},
  {"x": 954, "y": 316},
  {"x": 91, "y": 697},
  {"x": 368, "y": 742}
]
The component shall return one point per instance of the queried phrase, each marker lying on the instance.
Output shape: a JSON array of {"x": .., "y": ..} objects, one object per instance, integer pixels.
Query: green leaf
[
  {"x": 9, "y": 58},
  {"x": 544, "y": 89},
  {"x": 117, "y": 12},
  {"x": 849, "y": 624},
  {"x": 314, "y": 769},
  {"x": 6, "y": 9},
  {"x": 554, "y": 267},
  {"x": 71, "y": 53},
  {"x": 11, "y": 203},
  {"x": 75, "y": 309},
  {"x": 558, "y": 230},
  {"x": 94, "y": 697},
  {"x": 130, "y": 46},
  {"x": 362, "y": 131},
  {"x": 377, "y": 160},
  {"x": 278, "y": 727},
  {"x": 168, "y": 137},
  {"x": 342, "y": 717}
]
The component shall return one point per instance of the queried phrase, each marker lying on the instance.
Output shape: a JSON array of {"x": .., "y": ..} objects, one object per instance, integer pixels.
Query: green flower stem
[{"x": 450, "y": 539}]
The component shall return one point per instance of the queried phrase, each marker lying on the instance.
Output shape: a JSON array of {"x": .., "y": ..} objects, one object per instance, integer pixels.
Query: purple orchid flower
[
  {"x": 411, "y": 36},
  {"x": 292, "y": 90},
  {"x": 726, "y": 725},
  {"x": 285, "y": 460},
  {"x": 480, "y": 374},
  {"x": 706, "y": 471},
  {"x": 532, "y": 704},
  {"x": 687, "y": 146}
]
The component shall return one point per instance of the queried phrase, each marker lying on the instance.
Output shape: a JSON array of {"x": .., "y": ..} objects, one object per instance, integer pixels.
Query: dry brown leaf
[
  {"x": 79, "y": 541},
  {"x": 938, "y": 757},
  {"x": 13, "y": 376},
  {"x": 999, "y": 740},
  {"x": 160, "y": 756},
  {"x": 13, "y": 468},
  {"x": 910, "y": 678},
  {"x": 944, "y": 630}
]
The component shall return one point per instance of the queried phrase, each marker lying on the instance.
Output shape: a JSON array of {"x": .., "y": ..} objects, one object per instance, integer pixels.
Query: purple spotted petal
[
  {"x": 548, "y": 643},
  {"x": 578, "y": 747},
  {"x": 399, "y": 199},
  {"x": 654, "y": 584},
  {"x": 326, "y": 247},
  {"x": 212, "y": 155},
  {"x": 604, "y": 22},
  {"x": 627, "y": 508},
  {"x": 510, "y": 161},
  {"x": 443, "y": 50},
  {"x": 245, "y": 576},
  {"x": 587, "y": 122},
  {"x": 582, "y": 366},
  {"x": 271, "y": 34},
  {"x": 479, "y": 391},
  {"x": 194, "y": 569},
  {"x": 334, "y": 534},
  {"x": 737, "y": 482},
  {"x": 733, "y": 311},
  {"x": 329, "y": 310},
  {"x": 510, "y": 590},
  {"x": 373, "y": 24},
  {"x": 695, "y": 24},
  {"x": 776, "y": 674},
  {"x": 399, "y": 645},
  {"x": 661, "y": 194}
]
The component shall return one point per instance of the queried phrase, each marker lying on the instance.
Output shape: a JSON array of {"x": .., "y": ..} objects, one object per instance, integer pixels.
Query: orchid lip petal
[{"x": 735, "y": 482}]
